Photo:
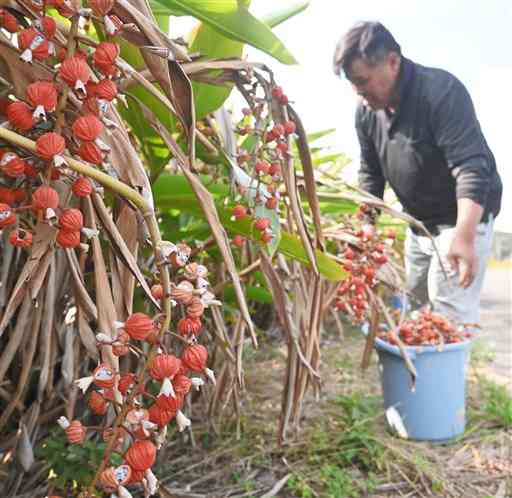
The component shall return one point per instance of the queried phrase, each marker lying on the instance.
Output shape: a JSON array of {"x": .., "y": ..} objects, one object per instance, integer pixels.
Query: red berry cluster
[
  {"x": 361, "y": 261},
  {"x": 266, "y": 160},
  {"x": 425, "y": 328}
]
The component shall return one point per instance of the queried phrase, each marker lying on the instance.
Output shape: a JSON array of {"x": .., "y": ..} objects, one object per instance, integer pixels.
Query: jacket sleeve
[
  {"x": 371, "y": 178},
  {"x": 457, "y": 133}
]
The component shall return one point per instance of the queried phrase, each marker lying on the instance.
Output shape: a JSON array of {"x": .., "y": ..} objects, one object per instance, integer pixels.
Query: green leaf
[
  {"x": 232, "y": 19},
  {"x": 320, "y": 134},
  {"x": 284, "y": 13},
  {"x": 258, "y": 294}
]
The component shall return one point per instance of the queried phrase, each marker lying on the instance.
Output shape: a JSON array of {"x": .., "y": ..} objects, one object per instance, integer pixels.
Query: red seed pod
[
  {"x": 8, "y": 21},
  {"x": 76, "y": 73},
  {"x": 50, "y": 145},
  {"x": 195, "y": 308},
  {"x": 101, "y": 7},
  {"x": 105, "y": 56},
  {"x": 97, "y": 403},
  {"x": 68, "y": 239},
  {"x": 262, "y": 167},
  {"x": 106, "y": 90},
  {"x": 20, "y": 116},
  {"x": 278, "y": 130},
  {"x": 12, "y": 165},
  {"x": 45, "y": 197},
  {"x": 239, "y": 211},
  {"x": 275, "y": 169},
  {"x": 170, "y": 403},
  {"x": 30, "y": 170},
  {"x": 87, "y": 128},
  {"x": 181, "y": 384},
  {"x": 42, "y": 93},
  {"x": 82, "y": 187},
  {"x": 183, "y": 292},
  {"x": 272, "y": 203},
  {"x": 277, "y": 91},
  {"x": 33, "y": 44},
  {"x": 103, "y": 376},
  {"x": 139, "y": 326},
  {"x": 48, "y": 26},
  {"x": 121, "y": 346},
  {"x": 141, "y": 455},
  {"x": 20, "y": 238},
  {"x": 282, "y": 147},
  {"x": 157, "y": 291},
  {"x": 76, "y": 432},
  {"x": 266, "y": 237},
  {"x": 126, "y": 382},
  {"x": 289, "y": 127},
  {"x": 283, "y": 100},
  {"x": 71, "y": 219},
  {"x": 238, "y": 240},
  {"x": 261, "y": 224},
  {"x": 159, "y": 416},
  {"x": 91, "y": 153},
  {"x": 195, "y": 357},
  {"x": 189, "y": 325},
  {"x": 7, "y": 196},
  {"x": 164, "y": 366}
]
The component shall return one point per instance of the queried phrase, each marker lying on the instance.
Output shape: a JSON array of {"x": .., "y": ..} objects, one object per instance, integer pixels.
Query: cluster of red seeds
[
  {"x": 145, "y": 425},
  {"x": 361, "y": 261},
  {"x": 265, "y": 162},
  {"x": 427, "y": 329},
  {"x": 90, "y": 75}
]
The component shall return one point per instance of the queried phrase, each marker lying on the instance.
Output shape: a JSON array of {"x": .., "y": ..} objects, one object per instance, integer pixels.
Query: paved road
[{"x": 496, "y": 320}]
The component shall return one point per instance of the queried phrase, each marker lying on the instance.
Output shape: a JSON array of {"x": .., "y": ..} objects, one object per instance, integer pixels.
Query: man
[{"x": 418, "y": 132}]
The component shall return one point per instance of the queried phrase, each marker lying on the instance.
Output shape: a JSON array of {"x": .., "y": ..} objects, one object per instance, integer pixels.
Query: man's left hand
[{"x": 462, "y": 258}]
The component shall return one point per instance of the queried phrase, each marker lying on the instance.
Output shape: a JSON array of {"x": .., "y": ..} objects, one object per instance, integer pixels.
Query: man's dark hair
[{"x": 369, "y": 41}]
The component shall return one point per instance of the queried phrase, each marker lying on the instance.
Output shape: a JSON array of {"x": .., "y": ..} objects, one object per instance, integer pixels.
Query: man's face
[{"x": 375, "y": 83}]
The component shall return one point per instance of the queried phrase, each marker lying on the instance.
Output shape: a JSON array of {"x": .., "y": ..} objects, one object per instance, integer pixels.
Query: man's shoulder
[{"x": 435, "y": 81}]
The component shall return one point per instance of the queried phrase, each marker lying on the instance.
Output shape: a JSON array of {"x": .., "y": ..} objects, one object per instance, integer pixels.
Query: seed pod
[
  {"x": 160, "y": 416},
  {"x": 87, "y": 128},
  {"x": 82, "y": 187},
  {"x": 71, "y": 219},
  {"x": 282, "y": 147},
  {"x": 33, "y": 44},
  {"x": 20, "y": 116},
  {"x": 183, "y": 292},
  {"x": 20, "y": 238},
  {"x": 195, "y": 308},
  {"x": 194, "y": 271},
  {"x": 120, "y": 346},
  {"x": 62, "y": 54},
  {"x": 68, "y": 239},
  {"x": 139, "y": 326},
  {"x": 8, "y": 21},
  {"x": 239, "y": 212},
  {"x": 7, "y": 195},
  {"x": 76, "y": 73},
  {"x": 126, "y": 382},
  {"x": 261, "y": 224},
  {"x": 266, "y": 237},
  {"x": 289, "y": 127},
  {"x": 105, "y": 56},
  {"x": 189, "y": 325},
  {"x": 157, "y": 291},
  {"x": 47, "y": 26},
  {"x": 195, "y": 357},
  {"x": 43, "y": 96},
  {"x": 170, "y": 403},
  {"x": 181, "y": 384},
  {"x": 179, "y": 258},
  {"x": 97, "y": 403},
  {"x": 50, "y": 145},
  {"x": 262, "y": 167},
  {"x": 91, "y": 153},
  {"x": 272, "y": 203},
  {"x": 44, "y": 198},
  {"x": 141, "y": 455},
  {"x": 103, "y": 376},
  {"x": 164, "y": 366},
  {"x": 12, "y": 165},
  {"x": 106, "y": 90},
  {"x": 276, "y": 91},
  {"x": 275, "y": 169},
  {"x": 75, "y": 433},
  {"x": 238, "y": 240}
]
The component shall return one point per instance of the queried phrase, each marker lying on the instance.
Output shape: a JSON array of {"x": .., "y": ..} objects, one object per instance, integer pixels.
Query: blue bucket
[{"x": 436, "y": 409}]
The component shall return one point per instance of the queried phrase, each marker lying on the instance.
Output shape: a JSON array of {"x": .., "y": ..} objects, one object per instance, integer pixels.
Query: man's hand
[{"x": 462, "y": 258}]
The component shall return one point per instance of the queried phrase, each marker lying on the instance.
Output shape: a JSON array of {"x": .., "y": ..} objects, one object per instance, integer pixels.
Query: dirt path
[{"x": 496, "y": 320}]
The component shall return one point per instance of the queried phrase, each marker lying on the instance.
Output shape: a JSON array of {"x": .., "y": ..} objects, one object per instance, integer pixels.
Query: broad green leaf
[
  {"x": 258, "y": 294},
  {"x": 232, "y": 19},
  {"x": 284, "y": 13},
  {"x": 320, "y": 134}
]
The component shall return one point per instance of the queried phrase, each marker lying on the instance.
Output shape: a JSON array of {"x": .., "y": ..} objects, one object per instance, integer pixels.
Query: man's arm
[{"x": 457, "y": 133}]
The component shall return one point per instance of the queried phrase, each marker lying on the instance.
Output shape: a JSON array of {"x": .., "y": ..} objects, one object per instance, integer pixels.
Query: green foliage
[
  {"x": 72, "y": 466},
  {"x": 338, "y": 482},
  {"x": 497, "y": 404},
  {"x": 298, "y": 485}
]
